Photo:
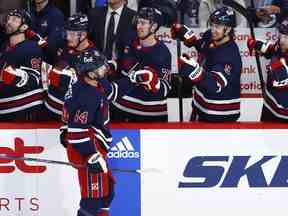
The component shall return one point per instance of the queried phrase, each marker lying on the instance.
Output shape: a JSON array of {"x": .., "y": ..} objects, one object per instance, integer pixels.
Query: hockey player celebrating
[
  {"x": 21, "y": 89},
  {"x": 275, "y": 107},
  {"x": 217, "y": 77},
  {"x": 86, "y": 135},
  {"x": 20, "y": 51},
  {"x": 145, "y": 52},
  {"x": 76, "y": 28}
]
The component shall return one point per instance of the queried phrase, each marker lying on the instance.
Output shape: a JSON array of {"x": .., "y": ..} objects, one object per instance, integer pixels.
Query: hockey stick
[
  {"x": 236, "y": 6},
  {"x": 180, "y": 19},
  {"x": 140, "y": 171}
]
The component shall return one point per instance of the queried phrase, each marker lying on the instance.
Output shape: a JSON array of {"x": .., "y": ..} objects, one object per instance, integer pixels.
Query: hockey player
[
  {"x": 20, "y": 99},
  {"x": 77, "y": 42},
  {"x": 86, "y": 135},
  {"x": 145, "y": 52},
  {"x": 275, "y": 94},
  {"x": 19, "y": 51},
  {"x": 217, "y": 77},
  {"x": 48, "y": 22}
]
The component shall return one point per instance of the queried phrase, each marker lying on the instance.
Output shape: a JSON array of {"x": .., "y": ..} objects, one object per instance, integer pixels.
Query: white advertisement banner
[
  {"x": 36, "y": 189},
  {"x": 194, "y": 171},
  {"x": 215, "y": 172}
]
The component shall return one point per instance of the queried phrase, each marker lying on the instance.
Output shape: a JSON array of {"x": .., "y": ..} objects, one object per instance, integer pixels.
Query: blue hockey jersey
[
  {"x": 217, "y": 97},
  {"x": 140, "y": 101},
  {"x": 49, "y": 22},
  {"x": 17, "y": 102},
  {"x": 55, "y": 96},
  {"x": 276, "y": 91},
  {"x": 86, "y": 113}
]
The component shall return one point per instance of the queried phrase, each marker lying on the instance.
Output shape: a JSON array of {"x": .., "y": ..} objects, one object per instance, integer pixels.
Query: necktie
[{"x": 110, "y": 36}]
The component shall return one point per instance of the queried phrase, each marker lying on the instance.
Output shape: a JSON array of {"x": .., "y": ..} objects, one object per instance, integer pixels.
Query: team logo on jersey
[
  {"x": 123, "y": 149},
  {"x": 81, "y": 117},
  {"x": 227, "y": 69}
]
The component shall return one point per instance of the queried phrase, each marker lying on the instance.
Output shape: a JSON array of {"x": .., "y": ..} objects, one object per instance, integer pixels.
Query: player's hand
[
  {"x": 42, "y": 42},
  {"x": 188, "y": 67},
  {"x": 146, "y": 77},
  {"x": 14, "y": 76},
  {"x": 258, "y": 45},
  {"x": 57, "y": 76},
  {"x": 184, "y": 34},
  {"x": 96, "y": 163}
]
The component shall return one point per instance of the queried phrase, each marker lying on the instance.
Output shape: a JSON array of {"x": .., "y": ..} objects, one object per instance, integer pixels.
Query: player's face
[
  {"x": 73, "y": 38},
  {"x": 218, "y": 31},
  {"x": 40, "y": 1},
  {"x": 283, "y": 41},
  {"x": 114, "y": 1},
  {"x": 143, "y": 27},
  {"x": 12, "y": 24}
]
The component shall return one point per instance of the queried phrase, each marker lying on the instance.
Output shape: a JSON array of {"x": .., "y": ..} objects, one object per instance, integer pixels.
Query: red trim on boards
[{"x": 172, "y": 125}]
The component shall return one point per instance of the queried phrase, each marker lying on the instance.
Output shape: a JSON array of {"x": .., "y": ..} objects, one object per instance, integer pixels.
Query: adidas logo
[{"x": 123, "y": 149}]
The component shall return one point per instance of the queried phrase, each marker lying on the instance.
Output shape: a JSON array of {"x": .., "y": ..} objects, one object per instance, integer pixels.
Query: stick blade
[{"x": 239, "y": 8}]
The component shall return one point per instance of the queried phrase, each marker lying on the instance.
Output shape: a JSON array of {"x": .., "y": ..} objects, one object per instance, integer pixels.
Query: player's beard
[{"x": 9, "y": 29}]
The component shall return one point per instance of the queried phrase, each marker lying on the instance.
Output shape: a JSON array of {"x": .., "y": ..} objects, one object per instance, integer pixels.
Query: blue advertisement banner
[{"x": 125, "y": 154}]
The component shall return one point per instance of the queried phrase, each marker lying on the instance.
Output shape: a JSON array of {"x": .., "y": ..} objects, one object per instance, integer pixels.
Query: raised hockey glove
[
  {"x": 57, "y": 77},
  {"x": 188, "y": 67},
  {"x": 147, "y": 77},
  {"x": 184, "y": 34},
  {"x": 279, "y": 69},
  {"x": 42, "y": 42},
  {"x": 96, "y": 163},
  {"x": 259, "y": 46},
  {"x": 14, "y": 76}
]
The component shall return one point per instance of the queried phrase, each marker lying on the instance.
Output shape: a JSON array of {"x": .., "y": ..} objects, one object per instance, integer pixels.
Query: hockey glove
[
  {"x": 57, "y": 77},
  {"x": 42, "y": 42},
  {"x": 259, "y": 46},
  {"x": 146, "y": 77},
  {"x": 96, "y": 163},
  {"x": 184, "y": 34},
  {"x": 11, "y": 76},
  {"x": 188, "y": 67}
]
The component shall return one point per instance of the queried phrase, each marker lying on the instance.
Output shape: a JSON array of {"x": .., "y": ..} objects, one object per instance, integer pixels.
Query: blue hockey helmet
[
  {"x": 168, "y": 8},
  {"x": 21, "y": 13},
  {"x": 77, "y": 22},
  {"x": 224, "y": 16},
  {"x": 152, "y": 14},
  {"x": 91, "y": 61},
  {"x": 283, "y": 27}
]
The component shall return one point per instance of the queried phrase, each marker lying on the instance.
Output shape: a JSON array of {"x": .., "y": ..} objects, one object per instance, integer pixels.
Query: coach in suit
[{"x": 109, "y": 27}]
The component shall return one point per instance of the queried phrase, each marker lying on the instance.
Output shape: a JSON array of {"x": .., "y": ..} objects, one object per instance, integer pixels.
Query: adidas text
[{"x": 123, "y": 154}]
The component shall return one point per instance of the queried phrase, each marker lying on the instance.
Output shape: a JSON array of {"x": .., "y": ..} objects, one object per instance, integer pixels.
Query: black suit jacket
[{"x": 97, "y": 19}]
